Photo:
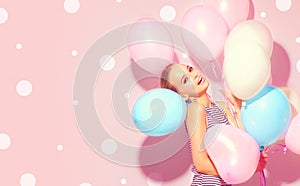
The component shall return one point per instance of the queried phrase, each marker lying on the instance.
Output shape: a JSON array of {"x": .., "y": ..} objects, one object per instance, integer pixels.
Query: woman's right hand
[{"x": 262, "y": 161}]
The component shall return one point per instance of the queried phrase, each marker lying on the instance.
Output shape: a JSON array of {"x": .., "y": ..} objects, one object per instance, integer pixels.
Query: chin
[{"x": 205, "y": 86}]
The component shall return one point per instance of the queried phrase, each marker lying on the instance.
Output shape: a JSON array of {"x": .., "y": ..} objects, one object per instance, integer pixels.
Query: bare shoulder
[{"x": 196, "y": 109}]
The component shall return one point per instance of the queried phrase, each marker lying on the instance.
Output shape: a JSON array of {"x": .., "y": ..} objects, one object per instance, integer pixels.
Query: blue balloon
[
  {"x": 159, "y": 112},
  {"x": 266, "y": 116}
]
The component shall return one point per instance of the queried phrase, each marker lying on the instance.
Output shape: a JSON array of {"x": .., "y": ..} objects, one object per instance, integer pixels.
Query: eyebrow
[{"x": 181, "y": 80}]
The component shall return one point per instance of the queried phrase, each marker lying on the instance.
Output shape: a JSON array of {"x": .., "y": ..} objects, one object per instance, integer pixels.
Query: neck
[{"x": 203, "y": 99}]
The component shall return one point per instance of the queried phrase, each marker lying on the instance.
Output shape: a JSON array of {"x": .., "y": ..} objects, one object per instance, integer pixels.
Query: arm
[
  {"x": 196, "y": 126},
  {"x": 234, "y": 118}
]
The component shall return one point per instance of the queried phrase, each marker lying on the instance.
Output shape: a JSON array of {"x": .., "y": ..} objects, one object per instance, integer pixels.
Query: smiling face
[{"x": 189, "y": 82}]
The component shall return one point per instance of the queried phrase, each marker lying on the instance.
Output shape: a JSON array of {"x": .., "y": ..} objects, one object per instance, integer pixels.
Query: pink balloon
[
  {"x": 234, "y": 153},
  {"x": 292, "y": 136},
  {"x": 209, "y": 26},
  {"x": 148, "y": 38},
  {"x": 233, "y": 11}
]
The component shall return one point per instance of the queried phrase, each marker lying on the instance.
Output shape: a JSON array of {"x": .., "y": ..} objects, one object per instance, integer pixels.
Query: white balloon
[
  {"x": 246, "y": 69},
  {"x": 250, "y": 31}
]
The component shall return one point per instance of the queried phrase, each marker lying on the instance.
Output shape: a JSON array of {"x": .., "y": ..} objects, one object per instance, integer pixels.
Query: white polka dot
[
  {"x": 4, "y": 141},
  {"x": 74, "y": 53},
  {"x": 283, "y": 5},
  {"x": 263, "y": 14},
  {"x": 75, "y": 102},
  {"x": 298, "y": 66},
  {"x": 19, "y": 46},
  {"x": 71, "y": 6},
  {"x": 85, "y": 184},
  {"x": 3, "y": 15},
  {"x": 119, "y": 1},
  {"x": 154, "y": 179},
  {"x": 185, "y": 55},
  {"x": 123, "y": 181},
  {"x": 27, "y": 179},
  {"x": 297, "y": 39},
  {"x": 126, "y": 95},
  {"x": 60, "y": 147},
  {"x": 24, "y": 88},
  {"x": 109, "y": 146},
  {"x": 168, "y": 13},
  {"x": 107, "y": 62}
]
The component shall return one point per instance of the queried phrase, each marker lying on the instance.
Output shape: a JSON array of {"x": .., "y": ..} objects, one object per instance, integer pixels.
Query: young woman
[{"x": 202, "y": 113}]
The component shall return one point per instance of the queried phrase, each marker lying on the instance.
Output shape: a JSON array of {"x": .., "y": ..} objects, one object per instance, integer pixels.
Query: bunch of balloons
[{"x": 246, "y": 46}]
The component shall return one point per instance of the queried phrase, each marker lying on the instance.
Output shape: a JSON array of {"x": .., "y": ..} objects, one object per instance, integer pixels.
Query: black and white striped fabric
[{"x": 215, "y": 116}]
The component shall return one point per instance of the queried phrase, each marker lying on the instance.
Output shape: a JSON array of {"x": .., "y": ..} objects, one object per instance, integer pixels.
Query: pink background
[{"x": 39, "y": 133}]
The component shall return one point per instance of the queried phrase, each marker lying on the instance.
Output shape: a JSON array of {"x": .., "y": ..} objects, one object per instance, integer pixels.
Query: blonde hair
[{"x": 164, "y": 80}]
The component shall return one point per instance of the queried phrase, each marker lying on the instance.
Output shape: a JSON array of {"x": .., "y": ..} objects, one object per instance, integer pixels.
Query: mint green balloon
[
  {"x": 159, "y": 112},
  {"x": 266, "y": 116}
]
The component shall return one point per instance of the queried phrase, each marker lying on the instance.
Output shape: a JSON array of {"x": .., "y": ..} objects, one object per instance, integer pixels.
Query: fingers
[{"x": 231, "y": 98}]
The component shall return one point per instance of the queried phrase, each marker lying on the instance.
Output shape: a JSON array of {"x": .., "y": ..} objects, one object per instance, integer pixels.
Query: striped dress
[{"x": 215, "y": 116}]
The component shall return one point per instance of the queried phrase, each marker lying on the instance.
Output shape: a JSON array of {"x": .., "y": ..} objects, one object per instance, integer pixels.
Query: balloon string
[
  {"x": 234, "y": 113},
  {"x": 262, "y": 178},
  {"x": 284, "y": 149}
]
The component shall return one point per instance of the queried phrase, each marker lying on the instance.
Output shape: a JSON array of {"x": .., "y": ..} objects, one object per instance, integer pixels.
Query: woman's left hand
[{"x": 236, "y": 102}]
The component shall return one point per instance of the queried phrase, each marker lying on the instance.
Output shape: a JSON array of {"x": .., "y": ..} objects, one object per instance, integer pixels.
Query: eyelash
[{"x": 185, "y": 80}]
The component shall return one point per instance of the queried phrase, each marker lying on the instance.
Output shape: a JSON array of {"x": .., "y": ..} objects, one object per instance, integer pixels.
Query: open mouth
[{"x": 200, "y": 80}]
